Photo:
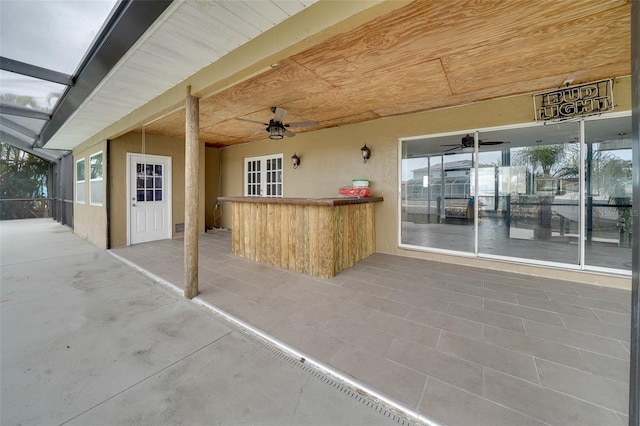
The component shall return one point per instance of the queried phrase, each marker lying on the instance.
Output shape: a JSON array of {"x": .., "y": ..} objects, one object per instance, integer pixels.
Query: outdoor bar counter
[{"x": 315, "y": 236}]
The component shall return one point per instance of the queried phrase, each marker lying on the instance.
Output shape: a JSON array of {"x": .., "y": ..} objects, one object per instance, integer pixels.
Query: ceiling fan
[
  {"x": 275, "y": 127},
  {"x": 467, "y": 142}
]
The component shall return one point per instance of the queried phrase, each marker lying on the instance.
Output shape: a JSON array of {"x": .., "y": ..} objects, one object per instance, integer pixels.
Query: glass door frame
[{"x": 476, "y": 253}]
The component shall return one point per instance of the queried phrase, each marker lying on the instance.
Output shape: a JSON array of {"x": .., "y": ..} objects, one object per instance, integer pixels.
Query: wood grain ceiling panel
[
  {"x": 561, "y": 49},
  {"x": 171, "y": 125},
  {"x": 426, "y": 55},
  {"x": 394, "y": 87}
]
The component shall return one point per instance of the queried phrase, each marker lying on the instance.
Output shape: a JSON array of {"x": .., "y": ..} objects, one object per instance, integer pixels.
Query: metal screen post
[{"x": 634, "y": 375}]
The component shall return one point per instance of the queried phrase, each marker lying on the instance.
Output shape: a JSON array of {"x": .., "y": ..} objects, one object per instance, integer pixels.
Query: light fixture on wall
[
  {"x": 295, "y": 160},
  {"x": 366, "y": 152}
]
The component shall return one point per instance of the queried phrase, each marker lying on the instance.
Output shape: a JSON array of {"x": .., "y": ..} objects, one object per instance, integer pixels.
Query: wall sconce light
[
  {"x": 366, "y": 152},
  {"x": 295, "y": 160}
]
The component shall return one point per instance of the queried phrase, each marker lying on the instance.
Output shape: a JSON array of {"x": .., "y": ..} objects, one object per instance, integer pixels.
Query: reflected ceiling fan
[
  {"x": 276, "y": 128},
  {"x": 467, "y": 142}
]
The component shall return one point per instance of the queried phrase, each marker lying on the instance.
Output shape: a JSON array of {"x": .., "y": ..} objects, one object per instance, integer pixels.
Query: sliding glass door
[{"x": 543, "y": 194}]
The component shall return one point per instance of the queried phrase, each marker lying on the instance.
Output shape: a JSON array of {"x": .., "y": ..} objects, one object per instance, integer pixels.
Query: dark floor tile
[
  {"x": 605, "y": 366},
  {"x": 450, "y": 369},
  {"x": 486, "y": 293},
  {"x": 608, "y": 317},
  {"x": 588, "y": 302},
  {"x": 487, "y": 317},
  {"x": 390, "y": 378},
  {"x": 559, "y": 307},
  {"x": 404, "y": 328},
  {"x": 524, "y": 312},
  {"x": 598, "y": 328},
  {"x": 539, "y": 348},
  {"x": 550, "y": 406},
  {"x": 363, "y": 336},
  {"x": 488, "y": 355},
  {"x": 443, "y": 321},
  {"x": 596, "y": 389},
  {"x": 455, "y": 407},
  {"x": 578, "y": 339},
  {"x": 512, "y": 288}
]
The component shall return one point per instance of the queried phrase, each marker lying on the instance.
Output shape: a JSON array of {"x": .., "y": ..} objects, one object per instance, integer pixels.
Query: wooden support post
[{"x": 191, "y": 196}]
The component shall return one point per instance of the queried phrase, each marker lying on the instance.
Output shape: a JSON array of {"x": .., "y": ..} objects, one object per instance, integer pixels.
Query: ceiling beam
[
  {"x": 23, "y": 112},
  {"x": 34, "y": 71},
  {"x": 18, "y": 128},
  {"x": 45, "y": 154}
]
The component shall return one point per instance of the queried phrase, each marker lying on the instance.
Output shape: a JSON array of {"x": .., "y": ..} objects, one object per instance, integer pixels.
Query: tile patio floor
[{"x": 462, "y": 345}]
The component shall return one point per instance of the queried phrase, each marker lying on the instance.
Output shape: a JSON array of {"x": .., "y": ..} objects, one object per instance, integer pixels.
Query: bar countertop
[{"x": 340, "y": 201}]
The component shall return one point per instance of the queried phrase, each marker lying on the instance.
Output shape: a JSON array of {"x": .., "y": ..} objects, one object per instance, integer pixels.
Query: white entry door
[{"x": 149, "y": 195}]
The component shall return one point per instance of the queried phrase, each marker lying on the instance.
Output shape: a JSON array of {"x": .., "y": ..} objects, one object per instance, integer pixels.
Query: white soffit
[{"x": 189, "y": 36}]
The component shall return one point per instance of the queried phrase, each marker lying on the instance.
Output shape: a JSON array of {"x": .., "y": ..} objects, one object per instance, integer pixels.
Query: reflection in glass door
[
  {"x": 608, "y": 190},
  {"x": 436, "y": 205},
  {"x": 522, "y": 184},
  {"x": 539, "y": 194}
]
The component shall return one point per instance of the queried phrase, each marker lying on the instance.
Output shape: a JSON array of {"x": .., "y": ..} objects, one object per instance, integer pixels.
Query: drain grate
[
  {"x": 393, "y": 413},
  {"x": 346, "y": 388}
]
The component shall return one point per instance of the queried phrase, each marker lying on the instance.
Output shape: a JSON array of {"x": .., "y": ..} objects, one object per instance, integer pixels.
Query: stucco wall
[
  {"x": 331, "y": 158},
  {"x": 154, "y": 145},
  {"x": 90, "y": 221}
]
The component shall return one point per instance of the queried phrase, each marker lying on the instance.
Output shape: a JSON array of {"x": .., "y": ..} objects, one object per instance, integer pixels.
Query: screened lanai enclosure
[{"x": 559, "y": 193}]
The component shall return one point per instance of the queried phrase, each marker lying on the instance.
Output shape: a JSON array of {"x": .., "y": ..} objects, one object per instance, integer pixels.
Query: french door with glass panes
[{"x": 263, "y": 176}]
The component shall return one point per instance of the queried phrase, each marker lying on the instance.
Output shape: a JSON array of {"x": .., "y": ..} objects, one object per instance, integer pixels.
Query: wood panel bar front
[{"x": 319, "y": 237}]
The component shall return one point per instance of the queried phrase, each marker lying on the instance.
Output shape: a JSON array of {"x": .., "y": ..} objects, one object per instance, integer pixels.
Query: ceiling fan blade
[
  {"x": 457, "y": 145},
  {"x": 289, "y": 133},
  {"x": 255, "y": 132},
  {"x": 301, "y": 124},
  {"x": 279, "y": 113},
  {"x": 252, "y": 121},
  {"x": 491, "y": 142},
  {"x": 451, "y": 149}
]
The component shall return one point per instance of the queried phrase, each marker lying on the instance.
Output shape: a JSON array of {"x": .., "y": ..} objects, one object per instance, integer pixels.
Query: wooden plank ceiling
[{"x": 426, "y": 55}]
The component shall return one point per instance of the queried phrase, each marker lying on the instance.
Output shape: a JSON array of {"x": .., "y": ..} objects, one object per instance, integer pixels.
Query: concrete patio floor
[
  {"x": 85, "y": 339},
  {"x": 462, "y": 345}
]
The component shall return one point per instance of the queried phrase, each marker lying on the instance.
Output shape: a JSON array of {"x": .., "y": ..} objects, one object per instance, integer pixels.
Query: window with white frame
[
  {"x": 263, "y": 176},
  {"x": 96, "y": 178},
  {"x": 80, "y": 178}
]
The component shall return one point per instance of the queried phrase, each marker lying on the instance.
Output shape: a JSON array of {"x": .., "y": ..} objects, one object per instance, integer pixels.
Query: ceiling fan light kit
[{"x": 276, "y": 128}]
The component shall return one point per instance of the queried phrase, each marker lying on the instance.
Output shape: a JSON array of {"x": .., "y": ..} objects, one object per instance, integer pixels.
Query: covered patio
[{"x": 458, "y": 344}]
